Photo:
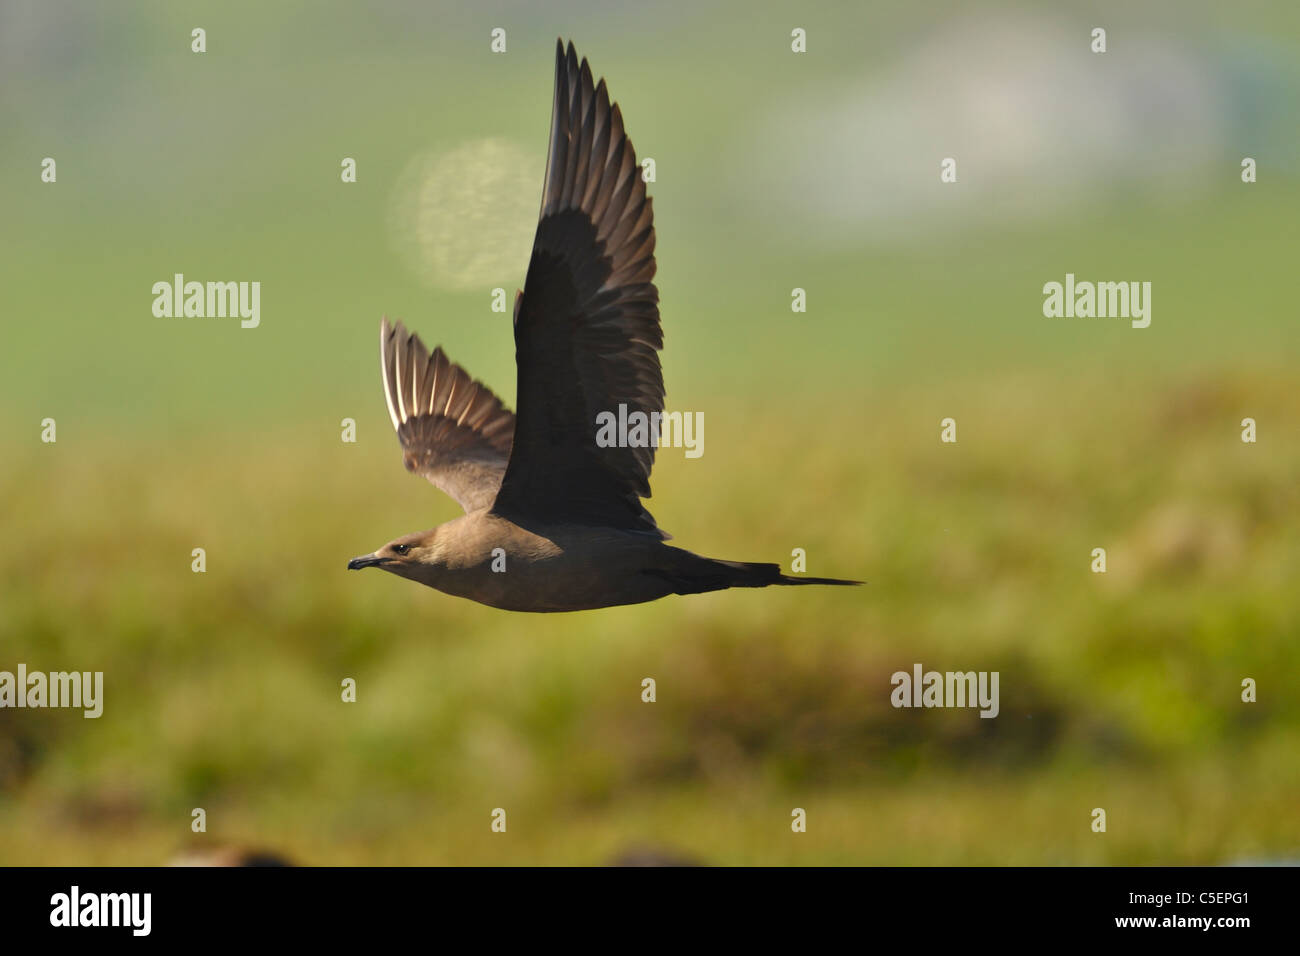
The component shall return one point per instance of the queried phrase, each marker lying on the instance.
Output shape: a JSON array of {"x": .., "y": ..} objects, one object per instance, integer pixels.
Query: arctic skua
[{"x": 553, "y": 518}]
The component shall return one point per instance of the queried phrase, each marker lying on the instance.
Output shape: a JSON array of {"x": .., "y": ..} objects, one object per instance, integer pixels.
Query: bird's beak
[{"x": 366, "y": 561}]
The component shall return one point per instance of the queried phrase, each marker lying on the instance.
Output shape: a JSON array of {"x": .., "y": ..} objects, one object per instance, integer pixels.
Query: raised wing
[
  {"x": 587, "y": 332},
  {"x": 453, "y": 430}
]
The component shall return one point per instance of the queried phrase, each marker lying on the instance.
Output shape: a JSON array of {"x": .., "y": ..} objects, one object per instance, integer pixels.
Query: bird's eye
[{"x": 401, "y": 548}]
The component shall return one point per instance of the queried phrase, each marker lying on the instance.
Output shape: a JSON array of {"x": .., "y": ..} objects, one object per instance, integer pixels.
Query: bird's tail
[
  {"x": 711, "y": 574},
  {"x": 751, "y": 574}
]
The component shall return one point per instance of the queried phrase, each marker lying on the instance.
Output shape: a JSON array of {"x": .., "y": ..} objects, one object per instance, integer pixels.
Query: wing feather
[
  {"x": 587, "y": 333},
  {"x": 453, "y": 430}
]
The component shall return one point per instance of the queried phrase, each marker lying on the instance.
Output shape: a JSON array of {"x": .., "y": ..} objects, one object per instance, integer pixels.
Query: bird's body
[
  {"x": 490, "y": 559},
  {"x": 553, "y": 518},
  {"x": 493, "y": 561}
]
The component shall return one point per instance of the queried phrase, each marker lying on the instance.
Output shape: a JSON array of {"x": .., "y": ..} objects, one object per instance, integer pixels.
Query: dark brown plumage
[
  {"x": 553, "y": 521},
  {"x": 587, "y": 334}
]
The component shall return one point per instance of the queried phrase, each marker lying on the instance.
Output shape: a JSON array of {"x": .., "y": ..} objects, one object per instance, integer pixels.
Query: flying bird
[{"x": 553, "y": 520}]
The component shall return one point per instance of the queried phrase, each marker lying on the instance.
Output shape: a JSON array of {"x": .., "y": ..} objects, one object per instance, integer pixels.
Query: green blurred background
[{"x": 774, "y": 171}]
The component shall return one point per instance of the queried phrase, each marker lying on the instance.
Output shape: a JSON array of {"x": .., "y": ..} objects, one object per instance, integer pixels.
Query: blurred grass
[{"x": 1120, "y": 691}]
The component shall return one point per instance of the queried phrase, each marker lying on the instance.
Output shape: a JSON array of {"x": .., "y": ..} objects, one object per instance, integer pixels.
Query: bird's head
[{"x": 410, "y": 556}]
